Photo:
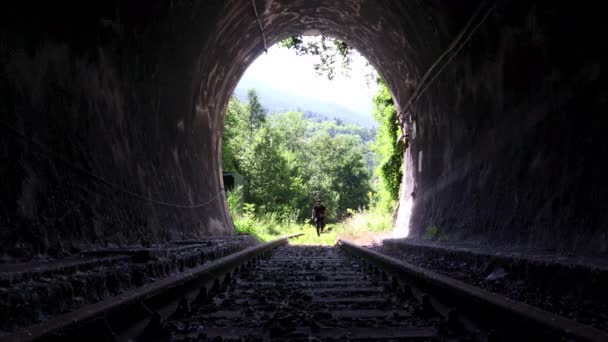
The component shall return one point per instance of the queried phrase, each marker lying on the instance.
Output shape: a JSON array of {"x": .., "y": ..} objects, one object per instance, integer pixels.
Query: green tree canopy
[
  {"x": 288, "y": 160},
  {"x": 255, "y": 110}
]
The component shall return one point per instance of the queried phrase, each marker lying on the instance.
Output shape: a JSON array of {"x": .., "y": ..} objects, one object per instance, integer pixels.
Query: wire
[
  {"x": 486, "y": 15},
  {"x": 51, "y": 155},
  {"x": 255, "y": 10},
  {"x": 422, "y": 87}
]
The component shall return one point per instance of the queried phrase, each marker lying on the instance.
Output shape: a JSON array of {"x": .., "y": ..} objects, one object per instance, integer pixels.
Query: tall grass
[
  {"x": 366, "y": 227},
  {"x": 360, "y": 227}
]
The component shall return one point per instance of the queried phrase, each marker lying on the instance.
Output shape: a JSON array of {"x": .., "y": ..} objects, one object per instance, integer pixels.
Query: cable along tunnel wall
[{"x": 136, "y": 93}]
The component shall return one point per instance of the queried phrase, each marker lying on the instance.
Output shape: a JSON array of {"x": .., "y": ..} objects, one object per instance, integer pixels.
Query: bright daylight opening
[{"x": 310, "y": 145}]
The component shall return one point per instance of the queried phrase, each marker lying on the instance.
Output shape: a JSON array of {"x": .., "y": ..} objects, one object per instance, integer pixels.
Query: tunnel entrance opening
[{"x": 296, "y": 137}]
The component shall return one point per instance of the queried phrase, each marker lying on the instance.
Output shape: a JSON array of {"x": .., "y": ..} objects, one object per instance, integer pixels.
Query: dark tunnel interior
[{"x": 112, "y": 112}]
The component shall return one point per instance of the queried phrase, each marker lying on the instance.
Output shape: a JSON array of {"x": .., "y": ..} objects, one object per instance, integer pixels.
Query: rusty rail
[
  {"x": 497, "y": 315},
  {"x": 126, "y": 315}
]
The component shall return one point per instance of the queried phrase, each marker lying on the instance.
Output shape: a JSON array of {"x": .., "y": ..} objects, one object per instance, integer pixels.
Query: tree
[
  {"x": 352, "y": 177},
  {"x": 288, "y": 160},
  {"x": 266, "y": 170},
  {"x": 292, "y": 129},
  {"x": 257, "y": 113},
  {"x": 335, "y": 171},
  {"x": 235, "y": 123}
]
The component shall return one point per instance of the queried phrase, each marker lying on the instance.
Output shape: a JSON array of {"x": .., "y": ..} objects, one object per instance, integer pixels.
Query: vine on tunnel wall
[{"x": 389, "y": 154}]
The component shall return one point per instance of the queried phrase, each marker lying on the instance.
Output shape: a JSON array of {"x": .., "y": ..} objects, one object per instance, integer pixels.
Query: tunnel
[
  {"x": 112, "y": 116},
  {"x": 112, "y": 112}
]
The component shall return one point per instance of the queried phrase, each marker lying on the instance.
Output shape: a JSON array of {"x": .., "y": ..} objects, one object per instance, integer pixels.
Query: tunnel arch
[
  {"x": 135, "y": 92},
  {"x": 390, "y": 54},
  {"x": 398, "y": 60}
]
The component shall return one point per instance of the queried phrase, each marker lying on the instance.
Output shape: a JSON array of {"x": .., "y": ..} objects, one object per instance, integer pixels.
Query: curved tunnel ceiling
[{"x": 399, "y": 39}]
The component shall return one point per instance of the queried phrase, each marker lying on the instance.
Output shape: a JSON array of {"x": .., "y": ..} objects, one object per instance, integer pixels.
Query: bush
[{"x": 234, "y": 198}]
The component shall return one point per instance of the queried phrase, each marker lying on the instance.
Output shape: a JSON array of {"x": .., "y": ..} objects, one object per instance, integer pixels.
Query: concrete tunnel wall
[
  {"x": 511, "y": 134},
  {"x": 135, "y": 93}
]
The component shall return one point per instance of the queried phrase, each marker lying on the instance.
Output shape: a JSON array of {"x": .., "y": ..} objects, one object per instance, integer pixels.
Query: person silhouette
[{"x": 318, "y": 216}]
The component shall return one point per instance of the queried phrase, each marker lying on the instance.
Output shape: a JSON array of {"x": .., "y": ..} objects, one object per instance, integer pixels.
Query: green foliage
[
  {"x": 270, "y": 226},
  {"x": 236, "y": 122},
  {"x": 327, "y": 49},
  {"x": 343, "y": 178},
  {"x": 434, "y": 233},
  {"x": 249, "y": 210},
  {"x": 266, "y": 170},
  {"x": 257, "y": 113},
  {"x": 235, "y": 199},
  {"x": 287, "y": 161},
  {"x": 368, "y": 221},
  {"x": 293, "y": 42},
  {"x": 431, "y": 232},
  {"x": 389, "y": 155}
]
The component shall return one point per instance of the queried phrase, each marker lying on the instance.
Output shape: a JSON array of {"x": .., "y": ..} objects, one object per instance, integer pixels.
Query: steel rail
[
  {"x": 139, "y": 306},
  {"x": 494, "y": 311}
]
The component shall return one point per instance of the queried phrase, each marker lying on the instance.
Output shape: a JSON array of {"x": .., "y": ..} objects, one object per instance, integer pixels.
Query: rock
[{"x": 497, "y": 273}]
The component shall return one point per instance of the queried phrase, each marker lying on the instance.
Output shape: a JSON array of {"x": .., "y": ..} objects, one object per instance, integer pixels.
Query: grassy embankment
[{"x": 362, "y": 228}]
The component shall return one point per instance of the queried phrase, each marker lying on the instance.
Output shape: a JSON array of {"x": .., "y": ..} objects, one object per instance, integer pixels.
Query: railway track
[
  {"x": 279, "y": 292},
  {"x": 302, "y": 292}
]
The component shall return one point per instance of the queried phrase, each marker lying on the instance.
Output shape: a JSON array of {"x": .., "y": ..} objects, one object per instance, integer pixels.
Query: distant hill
[{"x": 277, "y": 101}]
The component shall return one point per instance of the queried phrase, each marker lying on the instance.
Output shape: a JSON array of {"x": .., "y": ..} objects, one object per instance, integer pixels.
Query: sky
[{"x": 283, "y": 68}]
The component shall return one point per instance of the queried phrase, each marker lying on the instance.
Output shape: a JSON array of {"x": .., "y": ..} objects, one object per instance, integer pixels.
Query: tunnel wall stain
[{"x": 135, "y": 93}]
